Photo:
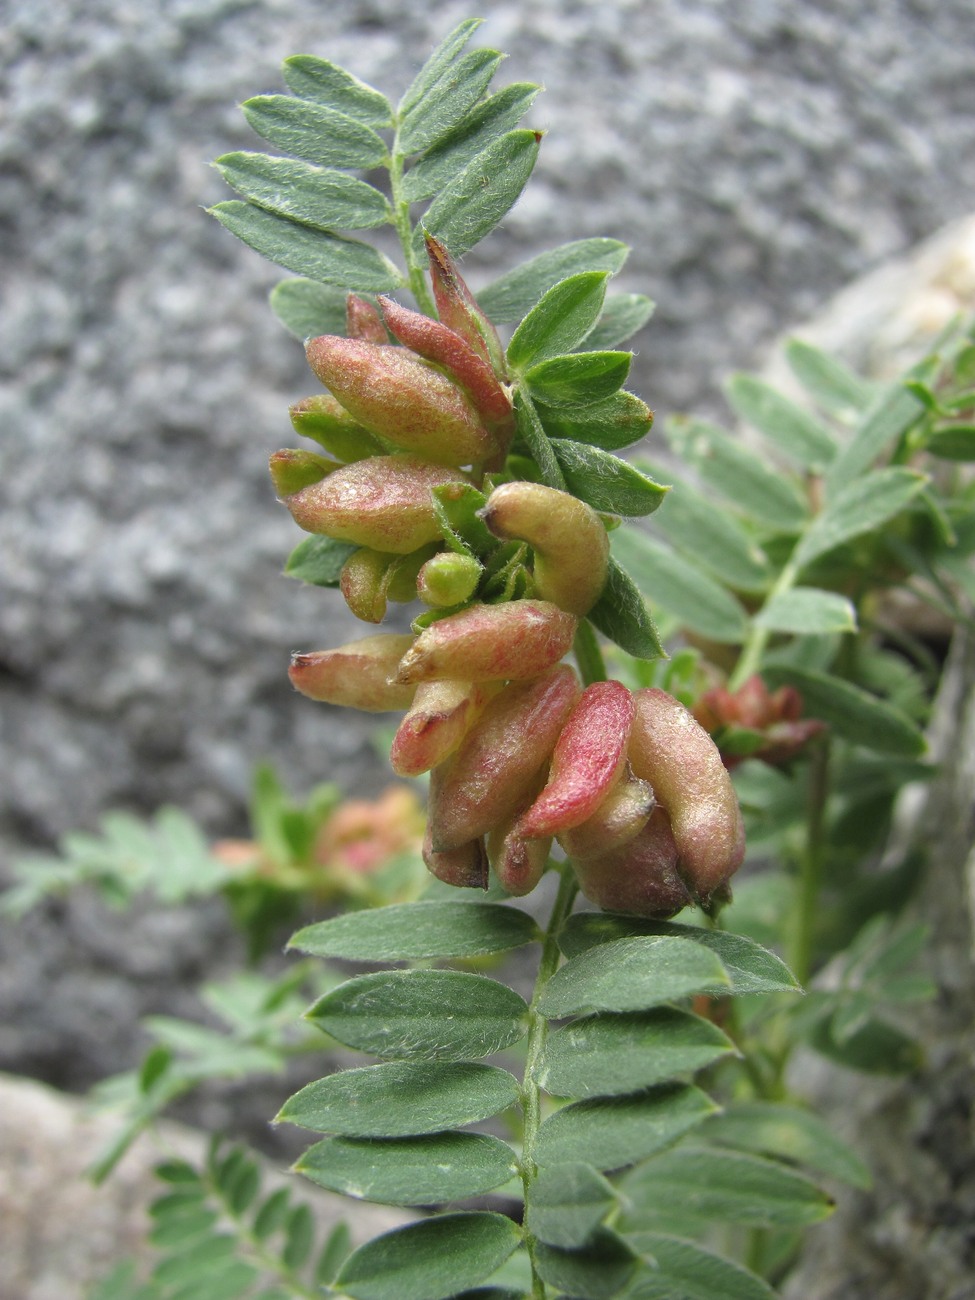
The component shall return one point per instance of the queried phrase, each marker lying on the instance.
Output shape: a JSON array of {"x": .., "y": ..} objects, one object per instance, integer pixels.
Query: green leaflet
[
  {"x": 792, "y": 429},
  {"x": 621, "y": 614},
  {"x": 787, "y": 1133},
  {"x": 418, "y": 931},
  {"x": 400, "y": 1099},
  {"x": 437, "y": 65},
  {"x": 623, "y": 315},
  {"x": 498, "y": 114},
  {"x": 332, "y": 87},
  {"x": 307, "y": 309},
  {"x": 535, "y": 439},
  {"x": 314, "y": 196},
  {"x": 606, "y": 1055},
  {"x": 315, "y": 133},
  {"x": 473, "y": 202},
  {"x": 447, "y": 101},
  {"x": 888, "y": 417},
  {"x": 686, "y": 1269},
  {"x": 671, "y": 581},
  {"x": 874, "y": 1047},
  {"x": 430, "y": 1260},
  {"x": 612, "y": 423},
  {"x": 596, "y": 1270},
  {"x": 952, "y": 442},
  {"x": 579, "y": 378},
  {"x": 827, "y": 381},
  {"x": 567, "y": 1203},
  {"x": 513, "y": 295},
  {"x": 422, "y": 1015},
  {"x": 851, "y": 712},
  {"x": 750, "y": 967},
  {"x": 560, "y": 321},
  {"x": 807, "y": 611},
  {"x": 319, "y": 561},
  {"x": 605, "y": 482},
  {"x": 859, "y": 507},
  {"x": 611, "y": 1133},
  {"x": 312, "y": 253},
  {"x": 429, "y": 1170},
  {"x": 739, "y": 475},
  {"x": 631, "y": 974},
  {"x": 708, "y": 1184}
]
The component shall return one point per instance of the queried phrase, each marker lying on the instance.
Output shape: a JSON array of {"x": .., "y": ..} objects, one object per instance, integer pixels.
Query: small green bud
[
  {"x": 328, "y": 423},
  {"x": 293, "y": 469},
  {"x": 448, "y": 579}
]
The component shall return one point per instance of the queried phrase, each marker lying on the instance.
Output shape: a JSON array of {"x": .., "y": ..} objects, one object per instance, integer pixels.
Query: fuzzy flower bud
[
  {"x": 676, "y": 755},
  {"x": 441, "y": 714},
  {"x": 384, "y": 503},
  {"x": 569, "y": 540},
  {"x": 401, "y": 398},
  {"x": 485, "y": 781},
  {"x": 448, "y": 579},
  {"x": 589, "y": 759},
  {"x": 371, "y": 578},
  {"x": 486, "y": 643},
  {"x": 328, "y": 423},
  {"x": 465, "y": 867},
  {"x": 458, "y": 309},
  {"x": 293, "y": 469},
  {"x": 355, "y": 675},
  {"x": 618, "y": 819},
  {"x": 518, "y": 863},
  {"x": 363, "y": 321},
  {"x": 641, "y": 877}
]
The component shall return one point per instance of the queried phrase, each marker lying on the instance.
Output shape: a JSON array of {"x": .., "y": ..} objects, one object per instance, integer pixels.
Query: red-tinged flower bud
[
  {"x": 465, "y": 867},
  {"x": 384, "y": 503},
  {"x": 569, "y": 540},
  {"x": 519, "y": 864},
  {"x": 356, "y": 675},
  {"x": 589, "y": 760},
  {"x": 641, "y": 877},
  {"x": 403, "y": 399},
  {"x": 754, "y": 723},
  {"x": 621, "y": 815},
  {"x": 485, "y": 781},
  {"x": 458, "y": 308},
  {"x": 672, "y": 751},
  {"x": 363, "y": 321},
  {"x": 438, "y": 719},
  {"x": 293, "y": 469},
  {"x": 437, "y": 342},
  {"x": 328, "y": 423},
  {"x": 486, "y": 643},
  {"x": 448, "y": 579}
]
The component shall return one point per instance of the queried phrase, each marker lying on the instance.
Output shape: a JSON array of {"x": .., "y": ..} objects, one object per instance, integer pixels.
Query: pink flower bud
[
  {"x": 458, "y": 308},
  {"x": 641, "y": 877},
  {"x": 403, "y": 399},
  {"x": 436, "y": 342},
  {"x": 485, "y": 781},
  {"x": 293, "y": 469},
  {"x": 438, "y": 719},
  {"x": 363, "y": 321},
  {"x": 465, "y": 867},
  {"x": 486, "y": 643},
  {"x": 589, "y": 759},
  {"x": 624, "y": 812},
  {"x": 568, "y": 537},
  {"x": 328, "y": 423},
  {"x": 672, "y": 751},
  {"x": 384, "y": 502},
  {"x": 356, "y": 675}
]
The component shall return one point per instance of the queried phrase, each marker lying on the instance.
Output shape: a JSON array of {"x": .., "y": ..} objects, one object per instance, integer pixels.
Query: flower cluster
[
  {"x": 418, "y": 422},
  {"x": 754, "y": 722}
]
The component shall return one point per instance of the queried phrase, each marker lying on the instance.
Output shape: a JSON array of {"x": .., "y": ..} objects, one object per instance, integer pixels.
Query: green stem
[
  {"x": 750, "y": 658},
  {"x": 404, "y": 229},
  {"x": 811, "y": 863},
  {"x": 537, "y": 1032},
  {"x": 588, "y": 655},
  {"x": 261, "y": 1255}
]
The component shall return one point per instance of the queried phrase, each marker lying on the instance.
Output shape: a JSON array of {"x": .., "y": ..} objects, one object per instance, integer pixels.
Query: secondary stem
[
  {"x": 811, "y": 865},
  {"x": 537, "y": 1032},
  {"x": 757, "y": 638},
  {"x": 404, "y": 229},
  {"x": 588, "y": 655}
]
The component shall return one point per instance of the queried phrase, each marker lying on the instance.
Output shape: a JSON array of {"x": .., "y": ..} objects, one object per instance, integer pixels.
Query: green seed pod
[
  {"x": 328, "y": 423},
  {"x": 486, "y": 643},
  {"x": 403, "y": 399},
  {"x": 356, "y": 675},
  {"x": 384, "y": 503},
  {"x": 569, "y": 540},
  {"x": 672, "y": 751}
]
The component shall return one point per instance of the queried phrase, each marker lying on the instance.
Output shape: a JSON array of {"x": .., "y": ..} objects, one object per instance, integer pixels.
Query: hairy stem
[
  {"x": 750, "y": 658},
  {"x": 537, "y": 1031},
  {"x": 404, "y": 229}
]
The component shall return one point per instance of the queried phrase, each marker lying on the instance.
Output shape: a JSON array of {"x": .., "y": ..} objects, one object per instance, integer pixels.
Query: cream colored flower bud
[
  {"x": 483, "y": 643},
  {"x": 356, "y": 675},
  {"x": 618, "y": 819},
  {"x": 568, "y": 538},
  {"x": 437, "y": 721}
]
